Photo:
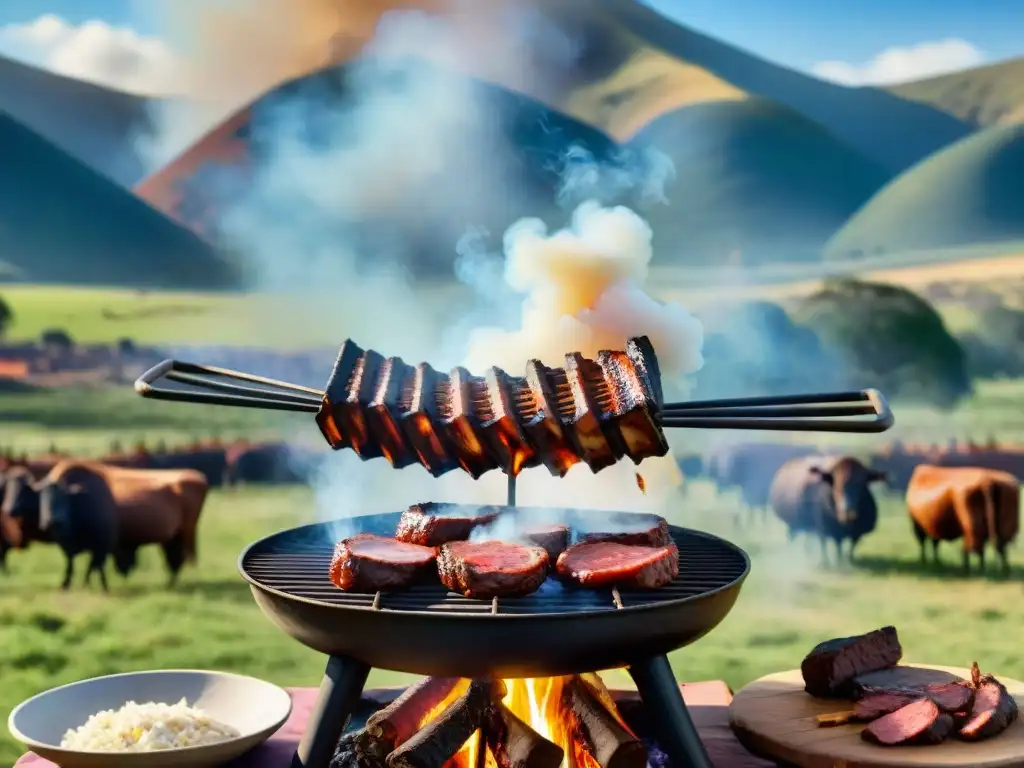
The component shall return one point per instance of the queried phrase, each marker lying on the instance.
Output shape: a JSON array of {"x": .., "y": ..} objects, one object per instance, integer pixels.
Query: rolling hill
[
  {"x": 750, "y": 175},
  {"x": 756, "y": 180},
  {"x": 981, "y": 96},
  {"x": 97, "y": 125},
  {"x": 61, "y": 221},
  {"x": 969, "y": 193}
]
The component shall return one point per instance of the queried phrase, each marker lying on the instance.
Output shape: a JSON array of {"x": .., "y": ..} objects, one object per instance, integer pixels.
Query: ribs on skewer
[{"x": 592, "y": 410}]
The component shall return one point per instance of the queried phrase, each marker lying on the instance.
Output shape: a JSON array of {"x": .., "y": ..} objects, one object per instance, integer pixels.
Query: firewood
[
  {"x": 515, "y": 744},
  {"x": 610, "y": 744},
  {"x": 392, "y": 726},
  {"x": 439, "y": 740}
]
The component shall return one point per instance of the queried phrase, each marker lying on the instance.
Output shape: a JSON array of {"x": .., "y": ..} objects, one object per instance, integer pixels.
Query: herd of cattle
[
  {"x": 111, "y": 507},
  {"x": 962, "y": 492}
]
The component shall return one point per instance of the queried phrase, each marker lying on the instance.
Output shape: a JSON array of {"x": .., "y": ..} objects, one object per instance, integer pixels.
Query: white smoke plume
[{"x": 385, "y": 157}]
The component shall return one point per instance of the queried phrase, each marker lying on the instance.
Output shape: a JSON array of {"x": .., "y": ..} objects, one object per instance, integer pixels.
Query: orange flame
[
  {"x": 641, "y": 483},
  {"x": 539, "y": 703}
]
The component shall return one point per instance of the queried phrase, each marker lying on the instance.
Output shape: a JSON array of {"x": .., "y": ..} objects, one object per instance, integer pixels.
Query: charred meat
[
  {"x": 607, "y": 564},
  {"x": 920, "y": 722},
  {"x": 830, "y": 668},
  {"x": 992, "y": 711},
  {"x": 489, "y": 569},
  {"x": 368, "y": 563},
  {"x": 553, "y": 539},
  {"x": 593, "y": 410},
  {"x": 433, "y": 524},
  {"x": 641, "y": 530}
]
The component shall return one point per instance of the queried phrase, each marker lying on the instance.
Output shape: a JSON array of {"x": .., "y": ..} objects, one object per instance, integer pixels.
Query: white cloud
[
  {"x": 900, "y": 65},
  {"x": 117, "y": 57}
]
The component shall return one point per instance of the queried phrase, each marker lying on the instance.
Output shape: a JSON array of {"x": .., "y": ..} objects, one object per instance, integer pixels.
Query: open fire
[{"x": 447, "y": 722}]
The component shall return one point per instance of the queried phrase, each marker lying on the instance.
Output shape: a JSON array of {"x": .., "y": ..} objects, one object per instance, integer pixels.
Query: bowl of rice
[{"x": 178, "y": 717}]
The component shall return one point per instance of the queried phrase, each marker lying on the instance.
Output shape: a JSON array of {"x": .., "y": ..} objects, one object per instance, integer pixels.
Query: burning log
[
  {"x": 607, "y": 740},
  {"x": 441, "y": 738},
  {"x": 400, "y": 720},
  {"x": 515, "y": 744}
]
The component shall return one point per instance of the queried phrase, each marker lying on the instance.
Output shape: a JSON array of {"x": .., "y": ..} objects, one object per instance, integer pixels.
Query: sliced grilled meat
[
  {"x": 920, "y": 722},
  {"x": 485, "y": 569},
  {"x": 607, "y": 563},
  {"x": 992, "y": 711},
  {"x": 876, "y": 705},
  {"x": 368, "y": 563},
  {"x": 830, "y": 668},
  {"x": 433, "y": 524}
]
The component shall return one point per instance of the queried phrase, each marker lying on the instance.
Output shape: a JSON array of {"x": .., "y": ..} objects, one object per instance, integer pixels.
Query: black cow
[{"x": 827, "y": 497}]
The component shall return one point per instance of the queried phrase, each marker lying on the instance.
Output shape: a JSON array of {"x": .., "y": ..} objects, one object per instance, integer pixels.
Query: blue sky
[{"x": 797, "y": 33}]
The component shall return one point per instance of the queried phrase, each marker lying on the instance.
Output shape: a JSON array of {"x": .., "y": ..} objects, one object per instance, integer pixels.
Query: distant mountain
[
  {"x": 969, "y": 193},
  {"x": 61, "y": 221},
  {"x": 751, "y": 176},
  {"x": 97, "y": 125},
  {"x": 980, "y": 96},
  {"x": 757, "y": 181}
]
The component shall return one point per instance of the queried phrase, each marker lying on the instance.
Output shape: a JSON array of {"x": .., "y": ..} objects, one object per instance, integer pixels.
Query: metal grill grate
[{"x": 295, "y": 563}]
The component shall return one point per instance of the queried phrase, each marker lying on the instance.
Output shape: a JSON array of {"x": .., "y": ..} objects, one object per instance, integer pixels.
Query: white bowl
[{"x": 254, "y": 707}]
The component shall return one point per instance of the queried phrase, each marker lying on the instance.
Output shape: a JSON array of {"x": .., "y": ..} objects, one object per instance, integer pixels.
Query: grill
[{"x": 427, "y": 630}]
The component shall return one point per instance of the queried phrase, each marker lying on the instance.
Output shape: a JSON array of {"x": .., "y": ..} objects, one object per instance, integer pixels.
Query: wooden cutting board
[{"x": 775, "y": 718}]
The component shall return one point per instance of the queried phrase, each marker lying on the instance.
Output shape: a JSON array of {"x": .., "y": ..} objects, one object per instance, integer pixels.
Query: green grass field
[{"x": 210, "y": 621}]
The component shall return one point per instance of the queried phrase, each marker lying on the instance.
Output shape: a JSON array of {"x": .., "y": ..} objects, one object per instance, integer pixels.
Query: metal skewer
[
  {"x": 802, "y": 413},
  {"x": 510, "y": 499}
]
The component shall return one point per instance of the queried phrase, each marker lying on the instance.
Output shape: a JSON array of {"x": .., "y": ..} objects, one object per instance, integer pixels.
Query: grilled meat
[
  {"x": 488, "y": 569},
  {"x": 607, "y": 564},
  {"x": 830, "y": 668},
  {"x": 368, "y": 563},
  {"x": 432, "y": 524},
  {"x": 917, "y": 723}
]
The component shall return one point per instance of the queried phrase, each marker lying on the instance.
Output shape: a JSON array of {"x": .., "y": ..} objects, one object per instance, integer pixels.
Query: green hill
[
  {"x": 980, "y": 96},
  {"x": 969, "y": 193},
  {"x": 756, "y": 181},
  {"x": 60, "y": 221}
]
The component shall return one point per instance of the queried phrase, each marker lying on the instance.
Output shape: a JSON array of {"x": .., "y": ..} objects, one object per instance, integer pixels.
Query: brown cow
[
  {"x": 146, "y": 507},
  {"x": 974, "y": 503}
]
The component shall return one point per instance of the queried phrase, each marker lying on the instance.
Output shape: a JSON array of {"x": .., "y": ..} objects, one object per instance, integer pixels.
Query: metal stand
[
  {"x": 671, "y": 723},
  {"x": 338, "y": 697},
  {"x": 511, "y": 497}
]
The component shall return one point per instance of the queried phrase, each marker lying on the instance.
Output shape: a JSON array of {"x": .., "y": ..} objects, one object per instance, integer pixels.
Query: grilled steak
[
  {"x": 876, "y": 705},
  {"x": 607, "y": 563},
  {"x": 484, "y": 569},
  {"x": 920, "y": 722},
  {"x": 641, "y": 530},
  {"x": 553, "y": 539},
  {"x": 949, "y": 697},
  {"x": 368, "y": 563},
  {"x": 992, "y": 711},
  {"x": 433, "y": 524},
  {"x": 829, "y": 670}
]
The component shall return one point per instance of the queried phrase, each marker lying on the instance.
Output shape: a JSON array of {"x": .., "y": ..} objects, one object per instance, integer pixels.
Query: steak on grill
[
  {"x": 920, "y": 722},
  {"x": 485, "y": 569},
  {"x": 433, "y": 524},
  {"x": 553, "y": 539},
  {"x": 641, "y": 530},
  {"x": 368, "y": 563},
  {"x": 992, "y": 711},
  {"x": 608, "y": 563},
  {"x": 830, "y": 668}
]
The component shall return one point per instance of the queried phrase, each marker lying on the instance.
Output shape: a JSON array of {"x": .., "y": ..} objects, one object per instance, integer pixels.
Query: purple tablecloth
[{"x": 708, "y": 703}]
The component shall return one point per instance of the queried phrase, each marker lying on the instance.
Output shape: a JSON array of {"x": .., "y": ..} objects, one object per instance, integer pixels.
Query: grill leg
[
  {"x": 339, "y": 694},
  {"x": 663, "y": 704}
]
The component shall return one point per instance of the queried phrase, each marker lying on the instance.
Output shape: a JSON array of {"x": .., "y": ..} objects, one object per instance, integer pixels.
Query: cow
[
  {"x": 60, "y": 515},
  {"x": 141, "y": 506},
  {"x": 828, "y": 497},
  {"x": 977, "y": 504}
]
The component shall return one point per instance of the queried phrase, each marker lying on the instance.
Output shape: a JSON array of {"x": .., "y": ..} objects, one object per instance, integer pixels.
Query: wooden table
[{"x": 708, "y": 703}]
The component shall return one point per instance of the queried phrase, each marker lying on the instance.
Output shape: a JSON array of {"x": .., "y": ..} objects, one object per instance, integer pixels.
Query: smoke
[{"x": 357, "y": 169}]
